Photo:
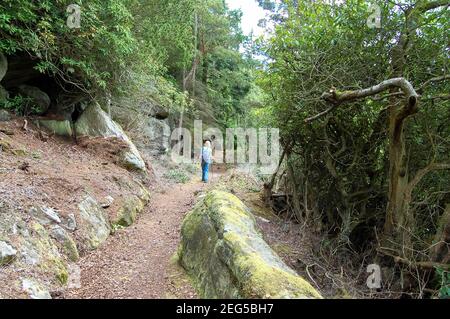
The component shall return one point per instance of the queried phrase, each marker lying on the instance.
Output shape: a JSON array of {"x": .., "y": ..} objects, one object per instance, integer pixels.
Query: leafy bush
[
  {"x": 20, "y": 105},
  {"x": 177, "y": 175},
  {"x": 444, "y": 291}
]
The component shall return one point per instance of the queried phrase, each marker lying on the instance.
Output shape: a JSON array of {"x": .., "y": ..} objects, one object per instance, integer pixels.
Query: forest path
[{"x": 137, "y": 261}]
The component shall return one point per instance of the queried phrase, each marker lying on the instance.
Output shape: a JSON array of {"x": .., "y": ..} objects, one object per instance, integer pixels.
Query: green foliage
[
  {"x": 177, "y": 175},
  {"x": 444, "y": 291},
  {"x": 20, "y": 105},
  {"x": 339, "y": 164}
]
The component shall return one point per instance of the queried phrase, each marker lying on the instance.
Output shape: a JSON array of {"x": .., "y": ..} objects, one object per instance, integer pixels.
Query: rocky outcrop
[
  {"x": 94, "y": 226},
  {"x": 94, "y": 122},
  {"x": 37, "y": 96},
  {"x": 37, "y": 249},
  {"x": 129, "y": 211},
  {"x": 61, "y": 128},
  {"x": 65, "y": 241},
  {"x": 227, "y": 257},
  {"x": 156, "y": 136}
]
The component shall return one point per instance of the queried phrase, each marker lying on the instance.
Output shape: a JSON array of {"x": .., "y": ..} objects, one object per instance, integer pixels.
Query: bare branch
[
  {"x": 424, "y": 171},
  {"x": 337, "y": 98},
  {"x": 432, "y": 80}
]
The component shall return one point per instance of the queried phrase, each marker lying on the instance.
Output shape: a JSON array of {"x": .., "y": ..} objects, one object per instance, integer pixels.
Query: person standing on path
[{"x": 206, "y": 160}]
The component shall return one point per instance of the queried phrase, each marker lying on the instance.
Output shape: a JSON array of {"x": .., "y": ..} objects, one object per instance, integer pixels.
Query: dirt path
[{"x": 136, "y": 262}]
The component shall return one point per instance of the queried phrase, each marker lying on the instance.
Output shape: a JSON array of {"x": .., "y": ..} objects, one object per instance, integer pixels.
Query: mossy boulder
[
  {"x": 127, "y": 214},
  {"x": 60, "y": 128},
  {"x": 38, "y": 249},
  {"x": 227, "y": 257},
  {"x": 94, "y": 122},
  {"x": 94, "y": 226},
  {"x": 65, "y": 241}
]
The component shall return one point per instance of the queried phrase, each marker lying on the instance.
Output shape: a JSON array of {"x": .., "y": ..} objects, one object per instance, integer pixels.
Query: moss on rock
[
  {"x": 61, "y": 128},
  {"x": 42, "y": 251},
  {"x": 127, "y": 214},
  {"x": 227, "y": 257}
]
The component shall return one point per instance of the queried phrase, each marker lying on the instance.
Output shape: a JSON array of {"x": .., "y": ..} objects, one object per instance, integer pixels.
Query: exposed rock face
[
  {"x": 127, "y": 214},
  {"x": 61, "y": 128},
  {"x": 94, "y": 122},
  {"x": 67, "y": 243},
  {"x": 7, "y": 253},
  {"x": 227, "y": 257},
  {"x": 3, "y": 65},
  {"x": 156, "y": 136},
  {"x": 94, "y": 225},
  {"x": 39, "y": 97},
  {"x": 38, "y": 249},
  {"x": 45, "y": 215}
]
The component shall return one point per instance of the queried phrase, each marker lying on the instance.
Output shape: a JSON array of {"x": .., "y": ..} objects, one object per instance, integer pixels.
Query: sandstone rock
[
  {"x": 7, "y": 253},
  {"x": 39, "y": 97},
  {"x": 61, "y": 128},
  {"x": 38, "y": 249},
  {"x": 227, "y": 257},
  {"x": 157, "y": 111},
  {"x": 45, "y": 215},
  {"x": 94, "y": 122},
  {"x": 35, "y": 290},
  {"x": 3, "y": 65},
  {"x": 94, "y": 225},
  {"x": 70, "y": 223},
  {"x": 67, "y": 243},
  {"x": 156, "y": 136},
  {"x": 127, "y": 214}
]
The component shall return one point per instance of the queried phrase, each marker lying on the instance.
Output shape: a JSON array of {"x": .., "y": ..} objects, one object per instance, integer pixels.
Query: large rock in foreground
[
  {"x": 94, "y": 122},
  {"x": 227, "y": 257}
]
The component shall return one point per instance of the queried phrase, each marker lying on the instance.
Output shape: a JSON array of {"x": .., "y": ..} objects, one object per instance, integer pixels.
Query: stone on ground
[
  {"x": 94, "y": 122},
  {"x": 93, "y": 224}
]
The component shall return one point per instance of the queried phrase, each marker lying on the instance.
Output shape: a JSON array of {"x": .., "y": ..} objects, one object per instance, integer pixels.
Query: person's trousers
[{"x": 205, "y": 171}]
